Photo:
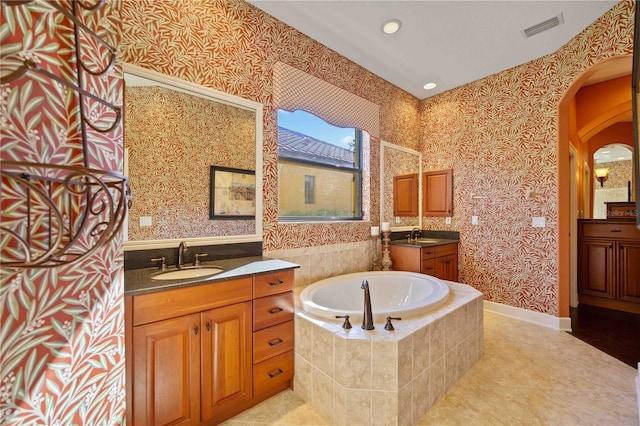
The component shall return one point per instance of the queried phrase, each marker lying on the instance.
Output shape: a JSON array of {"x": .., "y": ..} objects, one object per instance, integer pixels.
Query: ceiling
[{"x": 450, "y": 43}]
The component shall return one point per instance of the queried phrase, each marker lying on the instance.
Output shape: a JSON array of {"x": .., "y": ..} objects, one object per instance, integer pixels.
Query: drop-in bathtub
[
  {"x": 393, "y": 293},
  {"x": 380, "y": 376}
]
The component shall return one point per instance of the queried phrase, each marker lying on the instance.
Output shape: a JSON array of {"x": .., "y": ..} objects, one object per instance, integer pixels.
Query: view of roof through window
[{"x": 315, "y": 127}]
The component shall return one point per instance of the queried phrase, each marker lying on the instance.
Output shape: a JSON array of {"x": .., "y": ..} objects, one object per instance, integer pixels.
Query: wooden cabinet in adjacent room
[
  {"x": 440, "y": 261},
  {"x": 608, "y": 264}
]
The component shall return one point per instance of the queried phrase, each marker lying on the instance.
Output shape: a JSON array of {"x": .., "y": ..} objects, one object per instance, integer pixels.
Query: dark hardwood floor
[{"x": 616, "y": 333}]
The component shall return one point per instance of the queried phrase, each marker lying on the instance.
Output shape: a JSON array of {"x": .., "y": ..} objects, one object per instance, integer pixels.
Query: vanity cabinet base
[
  {"x": 201, "y": 354},
  {"x": 439, "y": 261}
]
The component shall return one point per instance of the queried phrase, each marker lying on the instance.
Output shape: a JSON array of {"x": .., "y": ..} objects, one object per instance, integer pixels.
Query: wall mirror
[
  {"x": 395, "y": 161},
  {"x": 174, "y": 131},
  {"x": 613, "y": 174}
]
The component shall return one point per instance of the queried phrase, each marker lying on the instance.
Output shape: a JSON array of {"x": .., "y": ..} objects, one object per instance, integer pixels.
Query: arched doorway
[{"x": 578, "y": 122}]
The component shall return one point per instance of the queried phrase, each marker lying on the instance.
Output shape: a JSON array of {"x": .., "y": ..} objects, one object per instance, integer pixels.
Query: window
[
  {"x": 319, "y": 169},
  {"x": 309, "y": 189}
]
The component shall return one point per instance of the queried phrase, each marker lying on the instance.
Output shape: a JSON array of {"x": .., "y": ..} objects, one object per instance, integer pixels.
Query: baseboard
[{"x": 538, "y": 318}]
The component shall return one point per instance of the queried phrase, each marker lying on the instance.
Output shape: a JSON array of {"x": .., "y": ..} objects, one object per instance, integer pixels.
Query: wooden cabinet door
[
  {"x": 405, "y": 195},
  {"x": 629, "y": 271},
  {"x": 437, "y": 193},
  {"x": 447, "y": 267},
  {"x": 596, "y": 275},
  {"x": 166, "y": 379},
  {"x": 405, "y": 258},
  {"x": 226, "y": 361}
]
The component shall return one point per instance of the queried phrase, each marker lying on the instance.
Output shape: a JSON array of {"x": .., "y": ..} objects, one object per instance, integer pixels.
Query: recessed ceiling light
[
  {"x": 430, "y": 86},
  {"x": 391, "y": 26}
]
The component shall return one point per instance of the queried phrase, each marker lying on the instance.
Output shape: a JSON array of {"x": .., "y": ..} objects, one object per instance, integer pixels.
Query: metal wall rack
[{"x": 53, "y": 214}]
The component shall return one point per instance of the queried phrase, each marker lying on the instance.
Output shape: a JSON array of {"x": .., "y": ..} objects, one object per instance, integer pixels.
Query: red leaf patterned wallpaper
[
  {"x": 62, "y": 334},
  {"x": 170, "y": 152},
  {"x": 62, "y": 328},
  {"x": 233, "y": 47},
  {"x": 499, "y": 134}
]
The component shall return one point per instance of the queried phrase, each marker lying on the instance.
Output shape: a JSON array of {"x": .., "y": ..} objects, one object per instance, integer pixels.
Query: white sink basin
[{"x": 182, "y": 274}]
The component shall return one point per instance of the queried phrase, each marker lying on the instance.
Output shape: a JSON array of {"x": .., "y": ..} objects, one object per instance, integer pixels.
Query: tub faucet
[
  {"x": 181, "y": 249},
  {"x": 367, "y": 317}
]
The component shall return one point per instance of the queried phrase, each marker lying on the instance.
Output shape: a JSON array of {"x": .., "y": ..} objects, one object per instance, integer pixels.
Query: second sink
[{"x": 182, "y": 274}]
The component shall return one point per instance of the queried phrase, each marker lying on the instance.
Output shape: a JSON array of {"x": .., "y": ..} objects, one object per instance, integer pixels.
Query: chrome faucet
[
  {"x": 181, "y": 249},
  {"x": 415, "y": 231},
  {"x": 367, "y": 317}
]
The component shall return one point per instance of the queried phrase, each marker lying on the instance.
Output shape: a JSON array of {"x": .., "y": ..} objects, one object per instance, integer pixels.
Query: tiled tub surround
[
  {"x": 320, "y": 262},
  {"x": 387, "y": 377}
]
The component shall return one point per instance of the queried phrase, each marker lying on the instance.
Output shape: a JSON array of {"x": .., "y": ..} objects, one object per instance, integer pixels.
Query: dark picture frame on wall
[{"x": 232, "y": 193}]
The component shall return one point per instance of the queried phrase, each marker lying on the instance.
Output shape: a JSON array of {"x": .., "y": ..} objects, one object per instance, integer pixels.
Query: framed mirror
[
  {"x": 397, "y": 161},
  {"x": 174, "y": 133},
  {"x": 614, "y": 180}
]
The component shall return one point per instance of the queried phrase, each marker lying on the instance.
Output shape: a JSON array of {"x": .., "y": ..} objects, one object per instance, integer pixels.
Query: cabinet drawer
[
  {"x": 616, "y": 230},
  {"x": 272, "y": 341},
  {"x": 166, "y": 304},
  {"x": 272, "y": 283},
  {"x": 446, "y": 250},
  {"x": 427, "y": 253},
  {"x": 272, "y": 372},
  {"x": 429, "y": 267},
  {"x": 272, "y": 310}
]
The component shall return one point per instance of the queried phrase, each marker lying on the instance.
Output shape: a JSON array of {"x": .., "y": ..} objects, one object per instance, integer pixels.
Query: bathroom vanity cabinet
[
  {"x": 203, "y": 353},
  {"x": 440, "y": 261},
  {"x": 608, "y": 259}
]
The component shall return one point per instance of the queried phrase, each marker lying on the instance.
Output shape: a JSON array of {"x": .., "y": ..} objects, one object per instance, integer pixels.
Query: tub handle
[
  {"x": 276, "y": 373},
  {"x": 388, "y": 325},
  {"x": 277, "y": 283},
  {"x": 275, "y": 310},
  {"x": 276, "y": 342},
  {"x": 346, "y": 324}
]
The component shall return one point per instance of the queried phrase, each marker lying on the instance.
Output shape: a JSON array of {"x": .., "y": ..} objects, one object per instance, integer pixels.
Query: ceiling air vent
[{"x": 543, "y": 26}]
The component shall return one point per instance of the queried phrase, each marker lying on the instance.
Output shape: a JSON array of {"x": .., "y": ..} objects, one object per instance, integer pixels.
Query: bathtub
[{"x": 393, "y": 293}]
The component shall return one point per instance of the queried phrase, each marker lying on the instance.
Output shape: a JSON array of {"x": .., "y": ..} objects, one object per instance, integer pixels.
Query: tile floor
[{"x": 529, "y": 375}]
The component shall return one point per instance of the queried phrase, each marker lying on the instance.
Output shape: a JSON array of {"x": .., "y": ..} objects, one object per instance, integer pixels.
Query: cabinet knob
[
  {"x": 275, "y": 310},
  {"x": 208, "y": 326},
  {"x": 276, "y": 283},
  {"x": 276, "y": 342},
  {"x": 195, "y": 330}
]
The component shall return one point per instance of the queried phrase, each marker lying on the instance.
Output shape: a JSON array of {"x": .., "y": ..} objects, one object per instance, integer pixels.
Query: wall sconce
[{"x": 602, "y": 175}]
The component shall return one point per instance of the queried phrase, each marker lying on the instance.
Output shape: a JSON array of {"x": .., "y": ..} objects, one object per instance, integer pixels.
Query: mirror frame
[
  {"x": 228, "y": 99},
  {"x": 383, "y": 145}
]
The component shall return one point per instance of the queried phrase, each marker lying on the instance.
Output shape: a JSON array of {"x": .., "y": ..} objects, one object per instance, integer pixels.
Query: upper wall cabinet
[
  {"x": 405, "y": 195},
  {"x": 437, "y": 194}
]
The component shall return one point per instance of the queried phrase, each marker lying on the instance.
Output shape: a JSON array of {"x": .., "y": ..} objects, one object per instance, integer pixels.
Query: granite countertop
[
  {"x": 424, "y": 242},
  {"x": 139, "y": 281}
]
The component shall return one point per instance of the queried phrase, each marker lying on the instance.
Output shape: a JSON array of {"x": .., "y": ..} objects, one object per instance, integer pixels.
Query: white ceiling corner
[{"x": 450, "y": 43}]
